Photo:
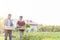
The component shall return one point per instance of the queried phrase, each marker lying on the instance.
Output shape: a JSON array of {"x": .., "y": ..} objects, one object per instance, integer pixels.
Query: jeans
[
  {"x": 21, "y": 29},
  {"x": 21, "y": 35},
  {"x": 8, "y": 33}
]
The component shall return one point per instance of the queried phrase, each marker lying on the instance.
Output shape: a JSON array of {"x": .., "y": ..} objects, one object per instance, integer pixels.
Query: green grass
[
  {"x": 38, "y": 36},
  {"x": 1, "y": 38},
  {"x": 43, "y": 36}
]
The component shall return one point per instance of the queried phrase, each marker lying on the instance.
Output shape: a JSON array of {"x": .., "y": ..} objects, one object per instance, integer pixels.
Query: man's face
[
  {"x": 9, "y": 16},
  {"x": 21, "y": 18}
]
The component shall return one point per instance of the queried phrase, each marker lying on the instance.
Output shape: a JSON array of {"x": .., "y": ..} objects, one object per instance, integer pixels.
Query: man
[
  {"x": 21, "y": 27},
  {"x": 8, "y": 23}
]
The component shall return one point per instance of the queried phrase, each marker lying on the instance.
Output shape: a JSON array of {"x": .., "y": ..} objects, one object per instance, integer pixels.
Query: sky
[{"x": 40, "y": 11}]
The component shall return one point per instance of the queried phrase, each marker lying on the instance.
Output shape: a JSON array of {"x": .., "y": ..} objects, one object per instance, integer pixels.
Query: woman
[{"x": 21, "y": 26}]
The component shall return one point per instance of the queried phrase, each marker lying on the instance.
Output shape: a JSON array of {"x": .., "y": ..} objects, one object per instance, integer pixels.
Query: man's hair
[
  {"x": 21, "y": 16},
  {"x": 9, "y": 14}
]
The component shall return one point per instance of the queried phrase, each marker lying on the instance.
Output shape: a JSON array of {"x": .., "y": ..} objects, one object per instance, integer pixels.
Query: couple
[{"x": 8, "y": 22}]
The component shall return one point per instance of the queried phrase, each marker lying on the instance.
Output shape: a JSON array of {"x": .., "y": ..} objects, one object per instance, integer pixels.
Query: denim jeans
[
  {"x": 21, "y": 35},
  {"x": 8, "y": 33},
  {"x": 21, "y": 29}
]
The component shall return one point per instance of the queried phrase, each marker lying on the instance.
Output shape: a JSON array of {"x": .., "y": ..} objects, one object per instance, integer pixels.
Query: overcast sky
[{"x": 40, "y": 11}]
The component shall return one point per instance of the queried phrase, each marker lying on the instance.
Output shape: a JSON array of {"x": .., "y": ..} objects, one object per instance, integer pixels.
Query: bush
[
  {"x": 49, "y": 29},
  {"x": 27, "y": 25}
]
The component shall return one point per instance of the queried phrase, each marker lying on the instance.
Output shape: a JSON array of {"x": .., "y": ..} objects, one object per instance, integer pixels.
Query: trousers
[
  {"x": 21, "y": 35},
  {"x": 8, "y": 33}
]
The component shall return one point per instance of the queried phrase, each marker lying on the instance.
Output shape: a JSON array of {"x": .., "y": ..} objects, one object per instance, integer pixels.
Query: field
[
  {"x": 37, "y": 36},
  {"x": 43, "y": 36}
]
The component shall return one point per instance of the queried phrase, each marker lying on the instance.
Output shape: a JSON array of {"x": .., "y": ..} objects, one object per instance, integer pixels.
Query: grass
[
  {"x": 38, "y": 36},
  {"x": 43, "y": 36},
  {"x": 1, "y": 38}
]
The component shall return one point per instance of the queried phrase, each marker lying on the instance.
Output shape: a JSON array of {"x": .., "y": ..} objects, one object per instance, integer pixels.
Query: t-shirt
[
  {"x": 9, "y": 22},
  {"x": 21, "y": 23}
]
